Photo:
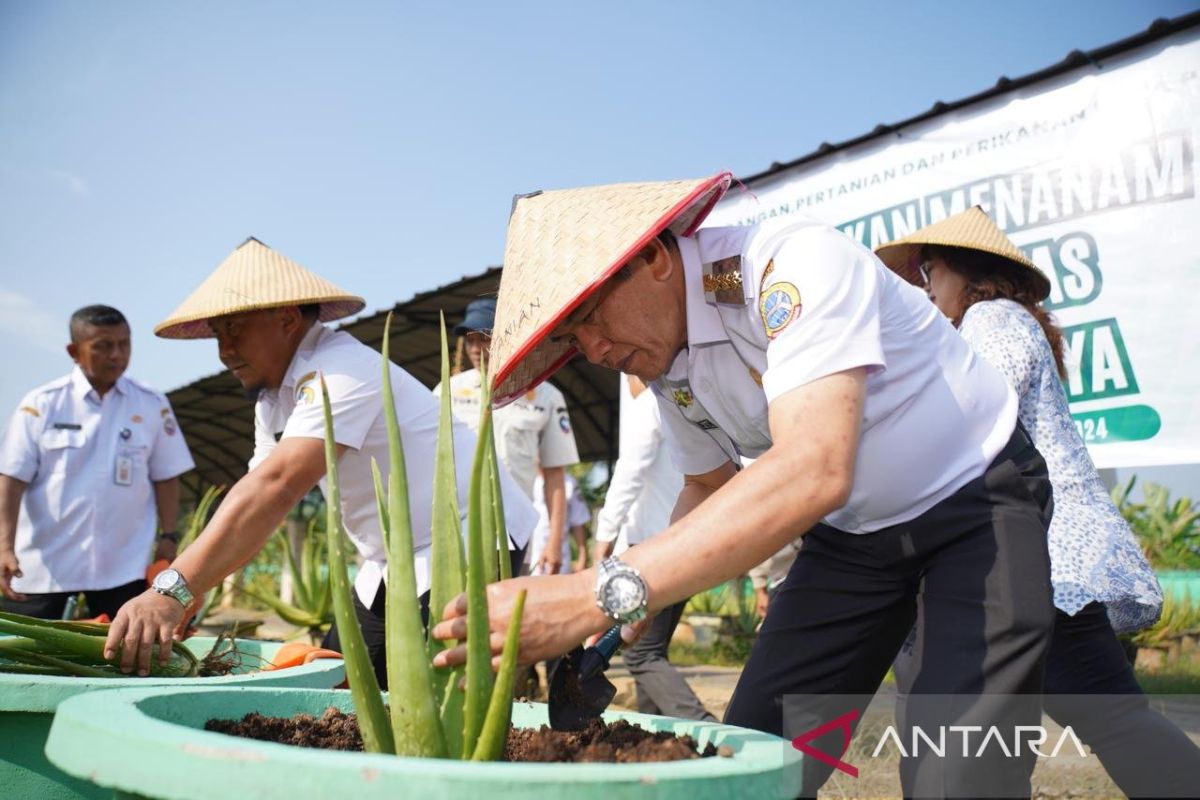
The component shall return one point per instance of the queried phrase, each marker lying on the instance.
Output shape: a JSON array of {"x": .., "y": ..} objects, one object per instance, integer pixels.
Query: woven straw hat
[
  {"x": 254, "y": 277},
  {"x": 971, "y": 229},
  {"x": 562, "y": 245}
]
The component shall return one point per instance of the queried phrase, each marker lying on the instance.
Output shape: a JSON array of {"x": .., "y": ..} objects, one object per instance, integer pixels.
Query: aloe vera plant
[
  {"x": 192, "y": 528},
  {"x": 429, "y": 715},
  {"x": 55, "y": 647},
  {"x": 312, "y": 606}
]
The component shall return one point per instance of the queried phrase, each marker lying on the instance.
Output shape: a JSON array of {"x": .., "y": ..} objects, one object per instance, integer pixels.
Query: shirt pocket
[
  {"x": 137, "y": 449},
  {"x": 61, "y": 448}
]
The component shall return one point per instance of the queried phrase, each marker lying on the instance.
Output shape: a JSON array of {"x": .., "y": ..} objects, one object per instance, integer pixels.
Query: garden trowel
[{"x": 578, "y": 689}]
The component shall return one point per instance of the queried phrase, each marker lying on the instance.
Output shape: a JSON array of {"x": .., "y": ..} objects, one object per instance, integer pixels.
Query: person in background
[
  {"x": 767, "y": 577},
  {"x": 85, "y": 464},
  {"x": 578, "y": 517},
  {"x": 986, "y": 286},
  {"x": 638, "y": 505},
  {"x": 533, "y": 433}
]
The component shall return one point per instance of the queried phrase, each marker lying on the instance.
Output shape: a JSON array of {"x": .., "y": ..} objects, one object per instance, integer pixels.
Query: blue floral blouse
[{"x": 1094, "y": 556}]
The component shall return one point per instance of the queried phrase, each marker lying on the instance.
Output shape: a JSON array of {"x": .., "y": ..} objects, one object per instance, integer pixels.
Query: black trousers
[
  {"x": 371, "y": 622},
  {"x": 661, "y": 689},
  {"x": 100, "y": 601},
  {"x": 1144, "y": 753},
  {"x": 978, "y": 561}
]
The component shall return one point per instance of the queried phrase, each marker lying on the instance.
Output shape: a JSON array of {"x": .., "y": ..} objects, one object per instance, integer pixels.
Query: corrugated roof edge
[{"x": 1159, "y": 29}]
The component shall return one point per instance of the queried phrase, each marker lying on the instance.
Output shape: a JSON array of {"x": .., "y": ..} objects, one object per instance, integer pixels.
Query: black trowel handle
[{"x": 595, "y": 658}]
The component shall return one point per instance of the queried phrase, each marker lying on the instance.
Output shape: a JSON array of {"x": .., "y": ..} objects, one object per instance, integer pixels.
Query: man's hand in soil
[
  {"x": 145, "y": 620},
  {"x": 560, "y": 612}
]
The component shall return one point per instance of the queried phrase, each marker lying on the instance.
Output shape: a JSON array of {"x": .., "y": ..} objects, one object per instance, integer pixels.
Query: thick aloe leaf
[
  {"x": 364, "y": 687},
  {"x": 416, "y": 724},
  {"x": 495, "y": 728}
]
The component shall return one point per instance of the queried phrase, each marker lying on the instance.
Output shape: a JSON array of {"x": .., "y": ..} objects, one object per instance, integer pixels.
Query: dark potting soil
[{"x": 614, "y": 742}]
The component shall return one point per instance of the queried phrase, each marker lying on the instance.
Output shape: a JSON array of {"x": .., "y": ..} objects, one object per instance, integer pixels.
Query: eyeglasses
[{"x": 924, "y": 268}]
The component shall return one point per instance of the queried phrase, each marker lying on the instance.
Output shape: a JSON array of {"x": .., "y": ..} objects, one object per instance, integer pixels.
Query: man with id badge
[{"x": 85, "y": 462}]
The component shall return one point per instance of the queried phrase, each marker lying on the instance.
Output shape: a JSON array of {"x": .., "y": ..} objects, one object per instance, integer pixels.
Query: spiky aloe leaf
[
  {"x": 495, "y": 728},
  {"x": 446, "y": 557},
  {"x": 479, "y": 651},
  {"x": 416, "y": 725},
  {"x": 199, "y": 516},
  {"x": 364, "y": 687},
  {"x": 292, "y": 615},
  {"x": 501, "y": 527},
  {"x": 487, "y": 505},
  {"x": 447, "y": 549}
]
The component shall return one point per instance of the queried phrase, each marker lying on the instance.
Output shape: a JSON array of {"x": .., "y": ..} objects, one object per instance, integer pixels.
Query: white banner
[{"x": 1093, "y": 174}]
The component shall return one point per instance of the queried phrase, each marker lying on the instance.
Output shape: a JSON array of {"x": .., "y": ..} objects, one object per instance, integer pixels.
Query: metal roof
[{"x": 218, "y": 419}]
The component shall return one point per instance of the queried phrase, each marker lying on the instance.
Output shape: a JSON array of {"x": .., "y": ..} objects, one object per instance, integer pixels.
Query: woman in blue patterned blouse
[{"x": 1102, "y": 583}]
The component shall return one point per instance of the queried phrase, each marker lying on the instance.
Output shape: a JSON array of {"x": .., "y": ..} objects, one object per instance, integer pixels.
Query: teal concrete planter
[
  {"x": 151, "y": 743},
  {"x": 1180, "y": 584},
  {"x": 28, "y": 704}
]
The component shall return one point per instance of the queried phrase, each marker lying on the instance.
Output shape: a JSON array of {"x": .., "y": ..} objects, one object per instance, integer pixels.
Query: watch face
[
  {"x": 166, "y": 580},
  {"x": 622, "y": 594}
]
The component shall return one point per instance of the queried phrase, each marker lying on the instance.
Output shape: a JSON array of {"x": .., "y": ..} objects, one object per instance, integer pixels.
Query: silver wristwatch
[
  {"x": 621, "y": 592},
  {"x": 172, "y": 584}
]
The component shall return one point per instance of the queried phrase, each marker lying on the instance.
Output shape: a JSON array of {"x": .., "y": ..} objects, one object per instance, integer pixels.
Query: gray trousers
[{"x": 660, "y": 687}]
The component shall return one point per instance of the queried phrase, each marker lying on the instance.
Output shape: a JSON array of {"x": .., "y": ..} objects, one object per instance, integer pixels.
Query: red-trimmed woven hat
[{"x": 562, "y": 245}]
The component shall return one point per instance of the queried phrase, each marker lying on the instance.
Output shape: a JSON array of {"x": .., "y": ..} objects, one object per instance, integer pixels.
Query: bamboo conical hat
[
  {"x": 561, "y": 246},
  {"x": 255, "y": 277},
  {"x": 972, "y": 229}
]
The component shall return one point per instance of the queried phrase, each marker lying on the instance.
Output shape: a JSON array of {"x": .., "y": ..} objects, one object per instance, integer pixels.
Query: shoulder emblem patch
[
  {"x": 169, "y": 426},
  {"x": 304, "y": 391},
  {"x": 778, "y": 306},
  {"x": 31, "y": 411},
  {"x": 723, "y": 281},
  {"x": 564, "y": 424}
]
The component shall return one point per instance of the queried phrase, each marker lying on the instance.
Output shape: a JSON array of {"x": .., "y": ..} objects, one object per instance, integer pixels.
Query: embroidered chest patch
[{"x": 778, "y": 305}]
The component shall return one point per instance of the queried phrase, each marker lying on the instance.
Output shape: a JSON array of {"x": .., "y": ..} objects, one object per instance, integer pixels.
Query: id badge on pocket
[{"x": 123, "y": 471}]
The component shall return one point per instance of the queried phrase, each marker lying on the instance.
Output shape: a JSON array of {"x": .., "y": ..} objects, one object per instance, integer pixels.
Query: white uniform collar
[
  {"x": 83, "y": 387},
  {"x": 703, "y": 320},
  {"x": 303, "y": 352}
]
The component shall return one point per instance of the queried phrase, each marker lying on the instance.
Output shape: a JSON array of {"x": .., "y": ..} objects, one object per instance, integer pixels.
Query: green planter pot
[
  {"x": 28, "y": 704},
  {"x": 151, "y": 743}
]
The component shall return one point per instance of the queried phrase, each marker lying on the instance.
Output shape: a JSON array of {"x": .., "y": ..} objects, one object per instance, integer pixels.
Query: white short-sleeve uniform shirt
[
  {"x": 532, "y": 431},
  {"x": 352, "y": 374},
  {"x": 811, "y": 302},
  {"x": 87, "y": 519}
]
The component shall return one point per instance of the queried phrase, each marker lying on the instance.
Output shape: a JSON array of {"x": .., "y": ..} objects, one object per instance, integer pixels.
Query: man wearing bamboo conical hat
[
  {"x": 873, "y": 428},
  {"x": 266, "y": 313}
]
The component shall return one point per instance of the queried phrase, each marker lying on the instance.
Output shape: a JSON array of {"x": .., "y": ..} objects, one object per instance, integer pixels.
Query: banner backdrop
[{"x": 1093, "y": 174}]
